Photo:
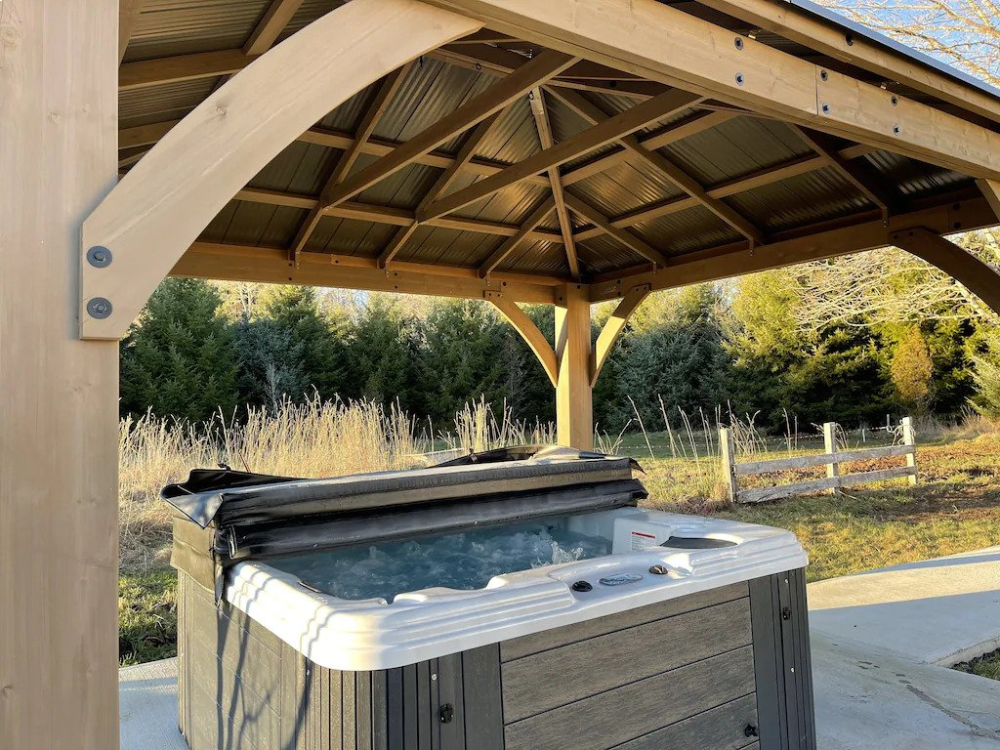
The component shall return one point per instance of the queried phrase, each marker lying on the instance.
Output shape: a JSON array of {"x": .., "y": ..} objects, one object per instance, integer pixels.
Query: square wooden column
[
  {"x": 574, "y": 394},
  {"x": 58, "y": 395}
]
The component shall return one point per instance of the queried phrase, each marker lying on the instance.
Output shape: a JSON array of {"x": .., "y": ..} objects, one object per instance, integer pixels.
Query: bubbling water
[{"x": 463, "y": 561}]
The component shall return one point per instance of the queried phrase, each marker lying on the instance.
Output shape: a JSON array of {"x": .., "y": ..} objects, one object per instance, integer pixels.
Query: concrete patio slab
[{"x": 147, "y": 707}]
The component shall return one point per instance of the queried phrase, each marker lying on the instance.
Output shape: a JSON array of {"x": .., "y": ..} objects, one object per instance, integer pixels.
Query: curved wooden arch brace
[
  {"x": 529, "y": 332},
  {"x": 980, "y": 278},
  {"x": 613, "y": 328},
  {"x": 161, "y": 206}
]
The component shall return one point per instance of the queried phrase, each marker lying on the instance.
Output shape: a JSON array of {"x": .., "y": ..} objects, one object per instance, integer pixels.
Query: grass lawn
[{"x": 955, "y": 508}]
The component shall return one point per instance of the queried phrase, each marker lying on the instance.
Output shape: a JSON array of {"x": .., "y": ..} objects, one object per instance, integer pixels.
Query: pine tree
[
  {"x": 911, "y": 371},
  {"x": 178, "y": 359}
]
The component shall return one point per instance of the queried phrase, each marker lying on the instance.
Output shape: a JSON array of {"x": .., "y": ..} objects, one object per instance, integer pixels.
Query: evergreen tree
[
  {"x": 911, "y": 370},
  {"x": 382, "y": 356},
  {"x": 178, "y": 358}
]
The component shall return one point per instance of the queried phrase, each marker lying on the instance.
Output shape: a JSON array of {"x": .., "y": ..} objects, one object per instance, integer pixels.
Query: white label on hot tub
[{"x": 641, "y": 540}]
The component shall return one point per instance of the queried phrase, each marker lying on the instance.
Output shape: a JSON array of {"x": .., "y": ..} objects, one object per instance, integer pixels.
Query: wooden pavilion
[{"x": 548, "y": 151}]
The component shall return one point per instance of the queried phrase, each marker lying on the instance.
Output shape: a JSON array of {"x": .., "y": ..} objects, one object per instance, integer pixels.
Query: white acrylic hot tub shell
[{"x": 370, "y": 635}]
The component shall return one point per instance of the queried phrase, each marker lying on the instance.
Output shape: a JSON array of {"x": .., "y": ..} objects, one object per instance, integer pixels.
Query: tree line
[{"x": 752, "y": 347}]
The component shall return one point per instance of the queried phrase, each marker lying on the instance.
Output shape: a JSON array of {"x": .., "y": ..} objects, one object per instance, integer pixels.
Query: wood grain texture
[
  {"x": 722, "y": 728},
  {"x": 550, "y": 639},
  {"x": 638, "y": 708},
  {"x": 616, "y": 659},
  {"x": 574, "y": 395},
  {"x": 58, "y": 395},
  {"x": 168, "y": 198}
]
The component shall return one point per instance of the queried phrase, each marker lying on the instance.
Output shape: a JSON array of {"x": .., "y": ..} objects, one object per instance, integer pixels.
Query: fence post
[
  {"x": 830, "y": 446},
  {"x": 727, "y": 451},
  {"x": 909, "y": 438}
]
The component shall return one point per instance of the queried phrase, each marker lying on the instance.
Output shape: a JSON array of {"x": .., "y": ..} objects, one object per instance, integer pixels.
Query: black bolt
[
  {"x": 99, "y": 256},
  {"x": 447, "y": 713},
  {"x": 99, "y": 308},
  {"x": 740, "y": 79},
  {"x": 826, "y": 109},
  {"x": 582, "y": 586},
  {"x": 750, "y": 731},
  {"x": 739, "y": 42},
  {"x": 896, "y": 129},
  {"x": 895, "y": 101},
  {"x": 849, "y": 38},
  {"x": 786, "y": 613},
  {"x": 823, "y": 75}
]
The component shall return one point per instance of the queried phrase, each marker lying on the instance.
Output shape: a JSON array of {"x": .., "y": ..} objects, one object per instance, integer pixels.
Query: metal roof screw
[
  {"x": 895, "y": 101},
  {"x": 740, "y": 79},
  {"x": 826, "y": 109},
  {"x": 739, "y": 42},
  {"x": 99, "y": 256},
  {"x": 896, "y": 129},
  {"x": 99, "y": 308},
  {"x": 823, "y": 75},
  {"x": 849, "y": 38}
]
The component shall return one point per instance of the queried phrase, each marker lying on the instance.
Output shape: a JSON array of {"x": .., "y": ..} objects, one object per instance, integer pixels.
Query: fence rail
[{"x": 831, "y": 458}]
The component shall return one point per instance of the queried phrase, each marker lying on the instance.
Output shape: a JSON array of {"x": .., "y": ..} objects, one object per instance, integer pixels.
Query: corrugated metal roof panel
[
  {"x": 546, "y": 258},
  {"x": 625, "y": 187},
  {"x": 914, "y": 179},
  {"x": 682, "y": 232},
  {"x": 300, "y": 168},
  {"x": 512, "y": 205},
  {"x": 169, "y": 101},
  {"x": 605, "y": 254},
  {"x": 181, "y": 27},
  {"x": 514, "y": 136}
]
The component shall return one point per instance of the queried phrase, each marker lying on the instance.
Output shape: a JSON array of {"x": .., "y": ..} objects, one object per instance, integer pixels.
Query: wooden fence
[{"x": 831, "y": 458}]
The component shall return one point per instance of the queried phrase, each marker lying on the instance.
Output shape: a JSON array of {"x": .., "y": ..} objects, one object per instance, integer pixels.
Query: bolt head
[
  {"x": 99, "y": 308},
  {"x": 740, "y": 79},
  {"x": 99, "y": 256}
]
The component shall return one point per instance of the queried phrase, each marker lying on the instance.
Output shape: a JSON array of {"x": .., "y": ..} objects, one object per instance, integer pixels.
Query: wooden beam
[
  {"x": 799, "y": 25},
  {"x": 666, "y": 44},
  {"x": 589, "y": 140},
  {"x": 660, "y": 163},
  {"x": 991, "y": 191},
  {"x": 623, "y": 236},
  {"x": 399, "y": 217},
  {"x": 523, "y": 234},
  {"x": 953, "y": 213},
  {"x": 270, "y": 266},
  {"x": 574, "y": 396},
  {"x": 145, "y": 73},
  {"x": 495, "y": 98},
  {"x": 866, "y": 181},
  {"x": 58, "y": 395},
  {"x": 383, "y": 97},
  {"x": 980, "y": 278},
  {"x": 525, "y": 326},
  {"x": 678, "y": 131},
  {"x": 269, "y": 28},
  {"x": 544, "y": 128},
  {"x": 161, "y": 206},
  {"x": 444, "y": 181},
  {"x": 128, "y": 19},
  {"x": 613, "y": 327}
]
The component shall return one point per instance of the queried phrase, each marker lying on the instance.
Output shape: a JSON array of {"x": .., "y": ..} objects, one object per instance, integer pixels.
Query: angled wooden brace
[
  {"x": 980, "y": 278},
  {"x": 529, "y": 332},
  {"x": 144, "y": 225},
  {"x": 613, "y": 328}
]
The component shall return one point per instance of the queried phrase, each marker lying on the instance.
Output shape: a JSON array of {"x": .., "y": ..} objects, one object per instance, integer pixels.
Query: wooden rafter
[
  {"x": 865, "y": 180},
  {"x": 613, "y": 328},
  {"x": 128, "y": 18},
  {"x": 666, "y": 44},
  {"x": 523, "y": 234},
  {"x": 378, "y": 106},
  {"x": 623, "y": 236},
  {"x": 865, "y": 231},
  {"x": 398, "y": 217},
  {"x": 536, "y": 71},
  {"x": 609, "y": 131},
  {"x": 444, "y": 181},
  {"x": 269, "y": 28},
  {"x": 541, "y": 116},
  {"x": 660, "y": 163}
]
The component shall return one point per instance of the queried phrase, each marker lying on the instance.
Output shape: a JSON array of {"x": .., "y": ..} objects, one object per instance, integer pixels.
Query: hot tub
[{"x": 310, "y": 618}]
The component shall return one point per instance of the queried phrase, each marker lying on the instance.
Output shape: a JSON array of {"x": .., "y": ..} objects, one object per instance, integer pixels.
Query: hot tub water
[{"x": 463, "y": 561}]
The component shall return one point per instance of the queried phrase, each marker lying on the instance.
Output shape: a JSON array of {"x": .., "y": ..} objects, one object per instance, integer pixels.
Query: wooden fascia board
[
  {"x": 663, "y": 43},
  {"x": 270, "y": 266},
  {"x": 725, "y": 262}
]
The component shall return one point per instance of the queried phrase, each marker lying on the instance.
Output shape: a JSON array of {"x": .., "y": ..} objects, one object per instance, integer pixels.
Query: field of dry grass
[{"x": 956, "y": 506}]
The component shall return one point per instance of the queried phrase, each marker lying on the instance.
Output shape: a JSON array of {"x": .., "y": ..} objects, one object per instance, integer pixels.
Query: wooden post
[
  {"x": 830, "y": 446},
  {"x": 727, "y": 451},
  {"x": 58, "y": 395},
  {"x": 909, "y": 438},
  {"x": 574, "y": 394}
]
